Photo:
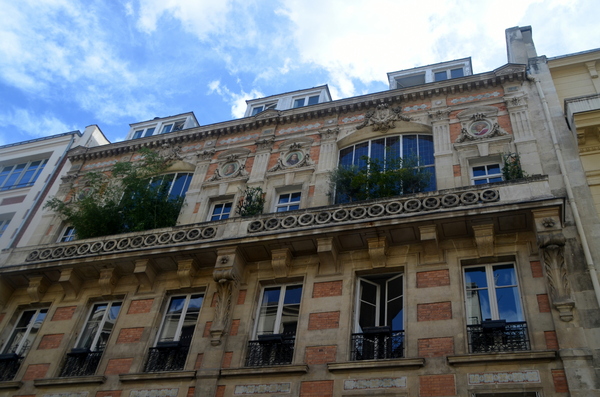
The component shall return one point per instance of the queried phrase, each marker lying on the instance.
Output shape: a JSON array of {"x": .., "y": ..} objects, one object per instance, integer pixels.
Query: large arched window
[
  {"x": 176, "y": 185},
  {"x": 417, "y": 146}
]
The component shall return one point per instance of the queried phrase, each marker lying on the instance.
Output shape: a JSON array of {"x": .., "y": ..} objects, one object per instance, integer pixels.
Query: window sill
[
  {"x": 75, "y": 380},
  {"x": 362, "y": 365},
  {"x": 468, "y": 359},
  {"x": 157, "y": 376},
  {"x": 11, "y": 384},
  {"x": 282, "y": 369}
]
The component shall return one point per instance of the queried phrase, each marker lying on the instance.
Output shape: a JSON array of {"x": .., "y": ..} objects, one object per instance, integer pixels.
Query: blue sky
[{"x": 66, "y": 64}]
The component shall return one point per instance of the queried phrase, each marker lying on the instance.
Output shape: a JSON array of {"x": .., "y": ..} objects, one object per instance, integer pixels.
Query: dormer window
[
  {"x": 261, "y": 108},
  {"x": 448, "y": 74},
  {"x": 410, "y": 81},
  {"x": 305, "y": 101},
  {"x": 172, "y": 127},
  {"x": 143, "y": 133}
]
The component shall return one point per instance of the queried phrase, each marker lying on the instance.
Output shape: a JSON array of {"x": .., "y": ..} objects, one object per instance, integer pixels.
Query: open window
[{"x": 379, "y": 318}]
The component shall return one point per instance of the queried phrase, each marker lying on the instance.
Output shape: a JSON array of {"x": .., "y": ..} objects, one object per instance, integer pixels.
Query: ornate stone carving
[
  {"x": 108, "y": 280},
  {"x": 229, "y": 169},
  {"x": 382, "y": 118},
  {"x": 484, "y": 239},
  {"x": 186, "y": 270},
  {"x": 265, "y": 143},
  {"x": 378, "y": 247},
  {"x": 38, "y": 285},
  {"x": 70, "y": 283},
  {"x": 292, "y": 159},
  {"x": 329, "y": 134},
  {"x": 170, "y": 152},
  {"x": 205, "y": 154},
  {"x": 440, "y": 114},
  {"x": 465, "y": 135},
  {"x": 556, "y": 274},
  {"x": 281, "y": 261}
]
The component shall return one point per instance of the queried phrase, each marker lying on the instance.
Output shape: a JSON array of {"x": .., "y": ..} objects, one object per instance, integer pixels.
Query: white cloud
[
  {"x": 237, "y": 101},
  {"x": 36, "y": 125}
]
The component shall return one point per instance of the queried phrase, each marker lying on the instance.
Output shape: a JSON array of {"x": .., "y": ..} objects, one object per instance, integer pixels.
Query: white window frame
[
  {"x": 277, "y": 324},
  {"x": 491, "y": 288},
  {"x": 223, "y": 203},
  {"x": 98, "y": 331},
  {"x": 190, "y": 175},
  {"x": 182, "y": 316},
  {"x": 306, "y": 99},
  {"x": 17, "y": 182},
  {"x": 357, "y": 303},
  {"x": 4, "y": 222},
  {"x": 487, "y": 176},
  {"x": 289, "y": 204},
  {"x": 143, "y": 132},
  {"x": 21, "y": 350},
  {"x": 68, "y": 234},
  {"x": 172, "y": 126},
  {"x": 448, "y": 72},
  {"x": 261, "y": 108}
]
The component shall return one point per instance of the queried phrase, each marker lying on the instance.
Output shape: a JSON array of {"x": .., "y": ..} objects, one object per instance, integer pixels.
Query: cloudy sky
[{"x": 66, "y": 64}]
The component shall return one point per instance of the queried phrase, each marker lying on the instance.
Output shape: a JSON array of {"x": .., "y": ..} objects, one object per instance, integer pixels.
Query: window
[
  {"x": 67, "y": 235},
  {"x": 176, "y": 185},
  {"x": 3, "y": 225},
  {"x": 21, "y": 175},
  {"x": 257, "y": 109},
  {"x": 379, "y": 318},
  {"x": 175, "y": 334},
  {"x": 486, "y": 174},
  {"x": 288, "y": 202},
  {"x": 448, "y": 74},
  {"x": 143, "y": 133},
  {"x": 410, "y": 81},
  {"x": 308, "y": 100},
  {"x": 221, "y": 211},
  {"x": 172, "y": 127},
  {"x": 85, "y": 357},
  {"x": 495, "y": 319},
  {"x": 276, "y": 326},
  {"x": 20, "y": 341}
]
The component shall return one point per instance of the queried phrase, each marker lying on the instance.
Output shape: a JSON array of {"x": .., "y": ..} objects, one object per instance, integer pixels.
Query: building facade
[{"x": 478, "y": 286}]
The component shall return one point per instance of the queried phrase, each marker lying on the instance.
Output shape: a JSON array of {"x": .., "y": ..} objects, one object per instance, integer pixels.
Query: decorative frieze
[
  {"x": 487, "y": 378},
  {"x": 265, "y": 388},
  {"x": 383, "y": 118},
  {"x": 375, "y": 383}
]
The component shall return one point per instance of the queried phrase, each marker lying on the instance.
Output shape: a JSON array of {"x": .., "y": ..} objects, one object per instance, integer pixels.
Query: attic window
[{"x": 409, "y": 81}]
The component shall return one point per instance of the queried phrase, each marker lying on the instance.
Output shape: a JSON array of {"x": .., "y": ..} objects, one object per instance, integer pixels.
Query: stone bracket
[
  {"x": 145, "y": 273},
  {"x": 378, "y": 247},
  {"x": 5, "y": 293},
  {"x": 108, "y": 280},
  {"x": 281, "y": 261},
  {"x": 186, "y": 270},
  {"x": 38, "y": 285},
  {"x": 431, "y": 245},
  {"x": 328, "y": 253},
  {"x": 484, "y": 239},
  {"x": 70, "y": 283}
]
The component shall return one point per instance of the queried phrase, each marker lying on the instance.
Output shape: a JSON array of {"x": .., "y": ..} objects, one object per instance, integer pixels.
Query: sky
[{"x": 67, "y": 64}]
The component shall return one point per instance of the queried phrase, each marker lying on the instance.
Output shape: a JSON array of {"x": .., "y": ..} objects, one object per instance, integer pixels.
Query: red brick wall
[
  {"x": 220, "y": 391},
  {"x": 36, "y": 371},
  {"x": 329, "y": 288},
  {"x": 109, "y": 393},
  {"x": 213, "y": 303},
  {"x": 198, "y": 362},
  {"x": 235, "y": 327},
  {"x": 323, "y": 320},
  {"x": 434, "y": 278},
  {"x": 227, "y": 357},
  {"x": 241, "y": 297},
  {"x": 320, "y": 388},
  {"x": 436, "y": 347},
  {"x": 320, "y": 354},
  {"x": 543, "y": 303},
  {"x": 50, "y": 341},
  {"x": 436, "y": 385},
  {"x": 130, "y": 335},
  {"x": 551, "y": 340},
  {"x": 207, "y": 326},
  {"x": 140, "y": 306},
  {"x": 536, "y": 269},
  {"x": 434, "y": 311},
  {"x": 191, "y": 392},
  {"x": 64, "y": 313},
  {"x": 456, "y": 170},
  {"x": 560, "y": 381},
  {"x": 118, "y": 366}
]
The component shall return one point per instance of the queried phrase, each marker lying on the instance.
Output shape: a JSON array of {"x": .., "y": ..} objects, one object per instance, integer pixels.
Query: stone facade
[{"x": 435, "y": 326}]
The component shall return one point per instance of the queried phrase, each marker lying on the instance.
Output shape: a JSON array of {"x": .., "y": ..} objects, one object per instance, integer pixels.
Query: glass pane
[
  {"x": 289, "y": 319},
  {"x": 479, "y": 171},
  {"x": 378, "y": 149},
  {"x": 480, "y": 181},
  {"x": 176, "y": 305},
  {"x": 367, "y": 316},
  {"x": 180, "y": 186},
  {"x": 360, "y": 151},
  {"x": 440, "y": 76},
  {"x": 169, "y": 328},
  {"x": 409, "y": 146},
  {"x": 33, "y": 330},
  {"x": 299, "y": 103},
  {"x": 266, "y": 320},
  {"x": 284, "y": 198},
  {"x": 454, "y": 73},
  {"x": 368, "y": 292},
  {"x": 504, "y": 275},
  {"x": 395, "y": 314},
  {"x": 149, "y": 131},
  {"x": 493, "y": 169},
  {"x": 426, "y": 150},
  {"x": 167, "y": 128},
  {"x": 295, "y": 196},
  {"x": 509, "y": 305},
  {"x": 293, "y": 294},
  {"x": 346, "y": 156},
  {"x": 475, "y": 278},
  {"x": 478, "y": 306},
  {"x": 497, "y": 179},
  {"x": 271, "y": 296},
  {"x": 392, "y": 147},
  {"x": 195, "y": 303},
  {"x": 313, "y": 100}
]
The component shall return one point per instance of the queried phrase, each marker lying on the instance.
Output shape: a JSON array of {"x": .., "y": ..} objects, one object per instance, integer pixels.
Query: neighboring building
[
  {"x": 578, "y": 87},
  {"x": 28, "y": 172},
  {"x": 476, "y": 287}
]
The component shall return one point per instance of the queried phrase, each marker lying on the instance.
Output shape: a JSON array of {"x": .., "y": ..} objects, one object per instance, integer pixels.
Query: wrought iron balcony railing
[
  {"x": 81, "y": 362},
  {"x": 498, "y": 336},
  {"x": 9, "y": 365},
  {"x": 377, "y": 343},
  {"x": 167, "y": 356},
  {"x": 276, "y": 349}
]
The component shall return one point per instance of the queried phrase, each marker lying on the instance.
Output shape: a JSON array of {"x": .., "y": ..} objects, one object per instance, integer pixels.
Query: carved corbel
[
  {"x": 145, "y": 273},
  {"x": 484, "y": 239},
  {"x": 431, "y": 248},
  {"x": 328, "y": 252},
  {"x": 186, "y": 270},
  {"x": 108, "y": 280},
  {"x": 227, "y": 274},
  {"x": 70, "y": 283},
  {"x": 281, "y": 260},
  {"x": 38, "y": 285},
  {"x": 6, "y": 292},
  {"x": 378, "y": 247}
]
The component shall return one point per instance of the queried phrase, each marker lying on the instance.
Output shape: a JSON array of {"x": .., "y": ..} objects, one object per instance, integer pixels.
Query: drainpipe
[
  {"x": 570, "y": 198},
  {"x": 41, "y": 196}
]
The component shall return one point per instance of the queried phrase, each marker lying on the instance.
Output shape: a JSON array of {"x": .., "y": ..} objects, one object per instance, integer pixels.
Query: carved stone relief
[
  {"x": 232, "y": 164},
  {"x": 294, "y": 154},
  {"x": 383, "y": 118}
]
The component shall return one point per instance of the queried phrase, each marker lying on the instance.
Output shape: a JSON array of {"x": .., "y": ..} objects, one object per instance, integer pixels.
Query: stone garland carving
[
  {"x": 227, "y": 276},
  {"x": 265, "y": 143},
  {"x": 383, "y": 118},
  {"x": 329, "y": 134},
  {"x": 393, "y": 207},
  {"x": 205, "y": 154},
  {"x": 440, "y": 114},
  {"x": 553, "y": 246}
]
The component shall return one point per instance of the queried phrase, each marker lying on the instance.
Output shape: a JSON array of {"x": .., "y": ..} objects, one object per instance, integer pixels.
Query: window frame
[
  {"x": 279, "y": 314},
  {"x": 17, "y": 183},
  {"x": 187, "y": 183},
  {"x": 306, "y": 100},
  {"x": 143, "y": 132},
  {"x": 172, "y": 126},
  {"x": 256, "y": 109},
  {"x": 20, "y": 350},
  {"x": 94, "y": 345},
  {"x": 487, "y": 176},
  {"x": 182, "y": 316},
  {"x": 213, "y": 207},
  {"x": 68, "y": 234},
  {"x": 448, "y": 73},
  {"x": 278, "y": 205},
  {"x": 358, "y": 299},
  {"x": 4, "y": 223}
]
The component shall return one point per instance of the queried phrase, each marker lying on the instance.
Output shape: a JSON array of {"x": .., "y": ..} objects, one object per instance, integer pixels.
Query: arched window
[{"x": 176, "y": 184}]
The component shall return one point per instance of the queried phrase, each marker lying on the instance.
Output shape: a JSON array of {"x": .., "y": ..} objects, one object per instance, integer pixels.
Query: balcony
[
  {"x": 167, "y": 356},
  {"x": 377, "y": 343},
  {"x": 498, "y": 336},
  {"x": 9, "y": 365},
  {"x": 81, "y": 362},
  {"x": 268, "y": 350}
]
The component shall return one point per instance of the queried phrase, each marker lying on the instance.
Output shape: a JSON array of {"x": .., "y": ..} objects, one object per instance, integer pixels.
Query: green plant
[
  {"x": 378, "y": 179},
  {"x": 252, "y": 202},
  {"x": 126, "y": 200},
  {"x": 512, "y": 170}
]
